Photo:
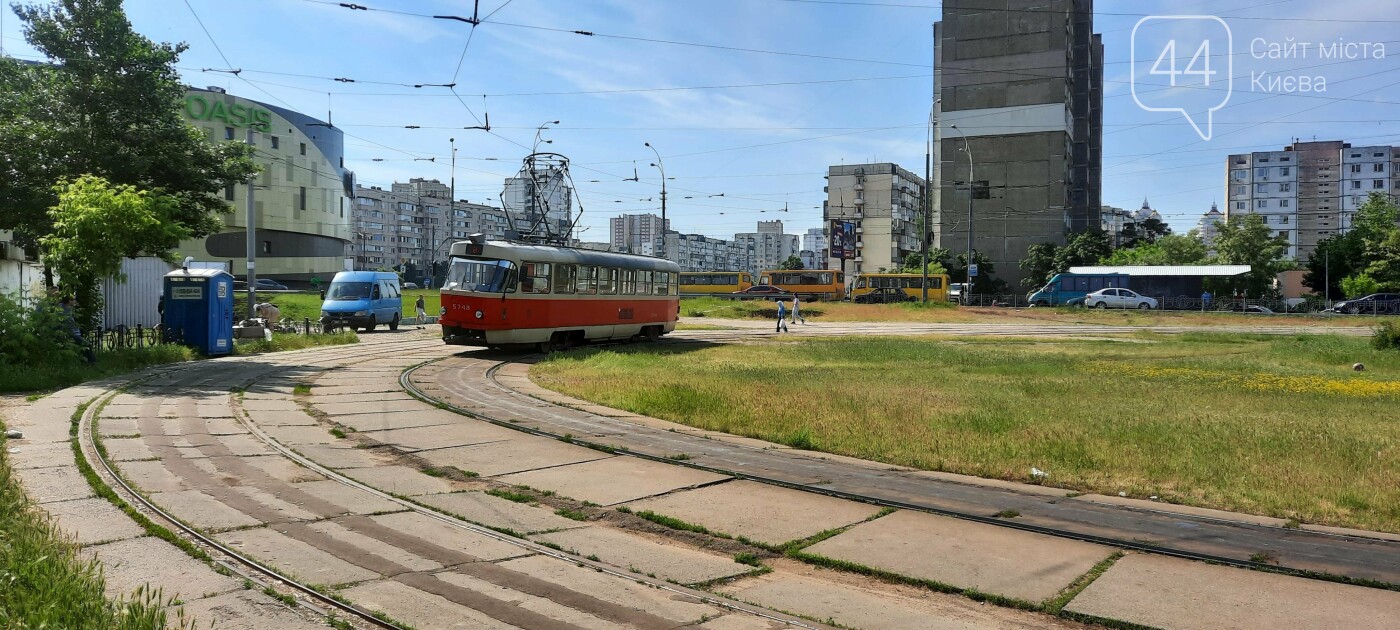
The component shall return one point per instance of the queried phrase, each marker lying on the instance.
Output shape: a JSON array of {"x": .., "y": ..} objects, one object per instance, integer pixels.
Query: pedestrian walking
[
  {"x": 1205, "y": 301},
  {"x": 422, "y": 311},
  {"x": 782, "y": 316},
  {"x": 797, "y": 310}
]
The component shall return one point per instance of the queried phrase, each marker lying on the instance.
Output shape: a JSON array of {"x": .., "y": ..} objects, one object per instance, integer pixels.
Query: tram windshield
[{"x": 482, "y": 276}]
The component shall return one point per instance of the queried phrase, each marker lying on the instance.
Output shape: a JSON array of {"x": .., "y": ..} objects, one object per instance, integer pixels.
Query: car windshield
[
  {"x": 481, "y": 276},
  {"x": 348, "y": 291}
]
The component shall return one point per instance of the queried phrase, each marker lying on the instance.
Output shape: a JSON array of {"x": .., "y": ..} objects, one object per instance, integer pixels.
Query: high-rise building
[
  {"x": 1113, "y": 221},
  {"x": 1208, "y": 227},
  {"x": 697, "y": 252},
  {"x": 636, "y": 233},
  {"x": 1309, "y": 190},
  {"x": 884, "y": 202},
  {"x": 1021, "y": 81},
  {"x": 769, "y": 246},
  {"x": 540, "y": 203},
  {"x": 411, "y": 225},
  {"x": 814, "y": 248}
]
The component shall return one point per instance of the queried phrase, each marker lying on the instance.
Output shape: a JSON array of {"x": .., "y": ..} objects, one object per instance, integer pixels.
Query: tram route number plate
[{"x": 624, "y": 313}]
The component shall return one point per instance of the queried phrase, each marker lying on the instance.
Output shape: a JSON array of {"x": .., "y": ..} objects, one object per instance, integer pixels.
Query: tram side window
[
  {"x": 535, "y": 279},
  {"x": 564, "y": 278},
  {"x": 629, "y": 282},
  {"x": 587, "y": 280},
  {"x": 661, "y": 281},
  {"x": 607, "y": 281}
]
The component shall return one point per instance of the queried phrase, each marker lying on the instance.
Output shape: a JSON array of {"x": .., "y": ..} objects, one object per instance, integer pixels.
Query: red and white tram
[{"x": 501, "y": 293}]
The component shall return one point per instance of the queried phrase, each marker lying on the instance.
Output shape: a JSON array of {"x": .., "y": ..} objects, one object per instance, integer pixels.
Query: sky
[{"x": 749, "y": 101}]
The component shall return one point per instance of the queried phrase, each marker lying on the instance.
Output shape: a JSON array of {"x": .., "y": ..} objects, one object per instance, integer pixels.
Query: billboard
[{"x": 843, "y": 239}]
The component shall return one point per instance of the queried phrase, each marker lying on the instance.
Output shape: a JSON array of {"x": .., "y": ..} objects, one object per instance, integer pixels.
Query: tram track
[
  {"x": 248, "y": 567},
  {"x": 1117, "y": 541}
]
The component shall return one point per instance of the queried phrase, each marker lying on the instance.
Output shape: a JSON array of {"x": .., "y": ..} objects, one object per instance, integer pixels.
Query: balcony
[
  {"x": 859, "y": 201},
  {"x": 860, "y": 244},
  {"x": 860, "y": 230},
  {"x": 860, "y": 187}
]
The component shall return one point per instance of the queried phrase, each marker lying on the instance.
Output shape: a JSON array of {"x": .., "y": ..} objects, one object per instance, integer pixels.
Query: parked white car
[{"x": 1118, "y": 298}]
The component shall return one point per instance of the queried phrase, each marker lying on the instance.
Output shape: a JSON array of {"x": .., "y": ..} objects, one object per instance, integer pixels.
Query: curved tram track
[{"x": 174, "y": 450}]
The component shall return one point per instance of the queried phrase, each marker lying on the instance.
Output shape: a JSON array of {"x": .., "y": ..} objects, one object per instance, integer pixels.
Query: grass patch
[
  {"x": 303, "y": 305},
  {"x": 47, "y": 580},
  {"x": 302, "y": 389},
  {"x": 675, "y": 523},
  {"x": 511, "y": 495},
  {"x": 23, "y": 378},
  {"x": 575, "y": 515},
  {"x": 1007, "y": 513},
  {"x": 338, "y": 432},
  {"x": 1272, "y": 425},
  {"x": 285, "y": 341},
  {"x": 748, "y": 558},
  {"x": 1057, "y": 603}
]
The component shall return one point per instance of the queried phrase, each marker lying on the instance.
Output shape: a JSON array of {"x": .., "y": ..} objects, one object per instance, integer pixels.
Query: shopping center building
[{"x": 301, "y": 196}]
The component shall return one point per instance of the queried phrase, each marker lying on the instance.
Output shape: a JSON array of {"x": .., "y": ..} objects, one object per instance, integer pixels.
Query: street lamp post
[
  {"x": 967, "y": 146},
  {"x": 538, "y": 130},
  {"x": 661, "y": 167},
  {"x": 928, "y": 190}
]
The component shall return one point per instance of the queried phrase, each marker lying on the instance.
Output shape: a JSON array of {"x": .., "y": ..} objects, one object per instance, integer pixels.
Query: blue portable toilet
[{"x": 199, "y": 309}]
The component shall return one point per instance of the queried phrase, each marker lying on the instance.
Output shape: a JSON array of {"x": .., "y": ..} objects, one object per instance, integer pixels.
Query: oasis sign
[{"x": 199, "y": 107}]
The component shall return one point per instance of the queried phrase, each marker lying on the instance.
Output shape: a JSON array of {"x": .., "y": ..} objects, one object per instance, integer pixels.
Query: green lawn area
[
  {"x": 1278, "y": 426},
  {"x": 307, "y": 305}
]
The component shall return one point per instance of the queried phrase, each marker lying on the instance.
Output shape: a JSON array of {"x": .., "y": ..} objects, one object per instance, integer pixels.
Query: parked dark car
[
  {"x": 1249, "y": 308},
  {"x": 762, "y": 291},
  {"x": 266, "y": 284},
  {"x": 884, "y": 295},
  {"x": 1374, "y": 303}
]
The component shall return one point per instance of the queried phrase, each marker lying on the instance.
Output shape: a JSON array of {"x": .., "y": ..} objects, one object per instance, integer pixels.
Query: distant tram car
[
  {"x": 817, "y": 284},
  {"x": 501, "y": 293},
  {"x": 702, "y": 283}
]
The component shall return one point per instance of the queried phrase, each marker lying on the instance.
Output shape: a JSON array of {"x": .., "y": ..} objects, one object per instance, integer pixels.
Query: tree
[
  {"x": 1039, "y": 264},
  {"x": 792, "y": 263},
  {"x": 1171, "y": 249},
  {"x": 1247, "y": 240},
  {"x": 1044, "y": 260},
  {"x": 109, "y": 105},
  {"x": 1153, "y": 229},
  {"x": 1359, "y": 285},
  {"x": 95, "y": 226},
  {"x": 1369, "y": 248},
  {"x": 912, "y": 262},
  {"x": 1336, "y": 257}
]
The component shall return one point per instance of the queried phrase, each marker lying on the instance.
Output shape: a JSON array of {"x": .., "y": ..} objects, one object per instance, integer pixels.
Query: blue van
[
  {"x": 1070, "y": 288},
  {"x": 362, "y": 299}
]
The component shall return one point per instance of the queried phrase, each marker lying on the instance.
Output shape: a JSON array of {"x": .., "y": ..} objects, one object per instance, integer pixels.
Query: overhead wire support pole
[
  {"x": 661, "y": 167},
  {"x": 967, "y": 146},
  {"x": 252, "y": 242}
]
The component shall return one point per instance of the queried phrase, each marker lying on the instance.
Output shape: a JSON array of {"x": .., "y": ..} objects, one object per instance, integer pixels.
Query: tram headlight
[
  {"x": 479, "y": 314},
  {"x": 442, "y": 310}
]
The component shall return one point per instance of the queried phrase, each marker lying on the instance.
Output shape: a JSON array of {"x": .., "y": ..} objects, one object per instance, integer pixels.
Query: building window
[
  {"x": 228, "y": 192},
  {"x": 1241, "y": 175},
  {"x": 1356, "y": 168},
  {"x": 1283, "y": 219},
  {"x": 1261, "y": 173},
  {"x": 1262, "y": 203},
  {"x": 1261, "y": 188},
  {"x": 1284, "y": 171},
  {"x": 1378, "y": 168},
  {"x": 301, "y": 199},
  {"x": 1241, "y": 190},
  {"x": 1285, "y": 187},
  {"x": 1283, "y": 233},
  {"x": 303, "y": 148},
  {"x": 1283, "y": 203},
  {"x": 1355, "y": 184},
  {"x": 1377, "y": 183},
  {"x": 267, "y": 247},
  {"x": 228, "y": 133},
  {"x": 276, "y": 143}
]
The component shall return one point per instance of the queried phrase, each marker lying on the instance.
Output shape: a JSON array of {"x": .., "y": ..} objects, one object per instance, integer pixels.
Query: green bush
[
  {"x": 1387, "y": 336},
  {"x": 35, "y": 336}
]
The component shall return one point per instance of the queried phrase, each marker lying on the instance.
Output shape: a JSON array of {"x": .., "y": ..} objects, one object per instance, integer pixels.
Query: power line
[{"x": 975, "y": 10}]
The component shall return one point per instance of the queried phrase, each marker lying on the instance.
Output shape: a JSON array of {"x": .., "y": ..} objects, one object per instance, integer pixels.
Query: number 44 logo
[{"x": 1201, "y": 57}]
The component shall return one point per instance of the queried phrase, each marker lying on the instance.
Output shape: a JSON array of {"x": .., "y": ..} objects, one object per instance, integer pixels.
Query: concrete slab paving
[
  {"x": 39, "y": 455},
  {"x": 282, "y": 418},
  {"x": 398, "y": 419},
  {"x": 293, "y": 435},
  {"x": 483, "y": 508},
  {"x": 317, "y": 397},
  {"x": 524, "y": 452},
  {"x": 740, "y": 621},
  {"x": 614, "y": 480},
  {"x": 610, "y": 589},
  {"x": 419, "y": 609},
  {"x": 264, "y": 404},
  {"x": 92, "y": 521},
  {"x": 211, "y": 426},
  {"x": 667, "y": 561},
  {"x": 461, "y": 433},
  {"x": 108, "y": 427},
  {"x": 244, "y": 445},
  {"x": 375, "y": 547},
  {"x": 44, "y": 421},
  {"x": 283, "y": 510},
  {"x": 152, "y": 477},
  {"x": 127, "y": 449},
  {"x": 539, "y": 605},
  {"x": 759, "y": 511},
  {"x": 202, "y": 511},
  {"x": 60, "y": 483},
  {"x": 857, "y": 606},
  {"x": 129, "y": 564},
  {"x": 243, "y": 610},
  {"x": 434, "y": 531},
  {"x": 1172, "y": 593},
  {"x": 382, "y": 406},
  {"x": 298, "y": 559},
  {"x": 965, "y": 554},
  {"x": 280, "y": 467},
  {"x": 350, "y": 500},
  {"x": 343, "y": 456},
  {"x": 328, "y": 387},
  {"x": 400, "y": 480}
]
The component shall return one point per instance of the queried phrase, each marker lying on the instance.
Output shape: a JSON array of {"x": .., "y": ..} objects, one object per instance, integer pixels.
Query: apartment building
[
  {"x": 697, "y": 252},
  {"x": 1208, "y": 227},
  {"x": 636, "y": 233},
  {"x": 540, "y": 203},
  {"x": 814, "y": 248},
  {"x": 1020, "y": 84},
  {"x": 883, "y": 201},
  {"x": 769, "y": 247},
  {"x": 412, "y": 224},
  {"x": 1309, "y": 190}
]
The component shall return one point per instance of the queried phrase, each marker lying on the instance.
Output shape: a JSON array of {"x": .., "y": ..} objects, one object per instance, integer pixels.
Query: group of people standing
[{"x": 796, "y": 314}]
